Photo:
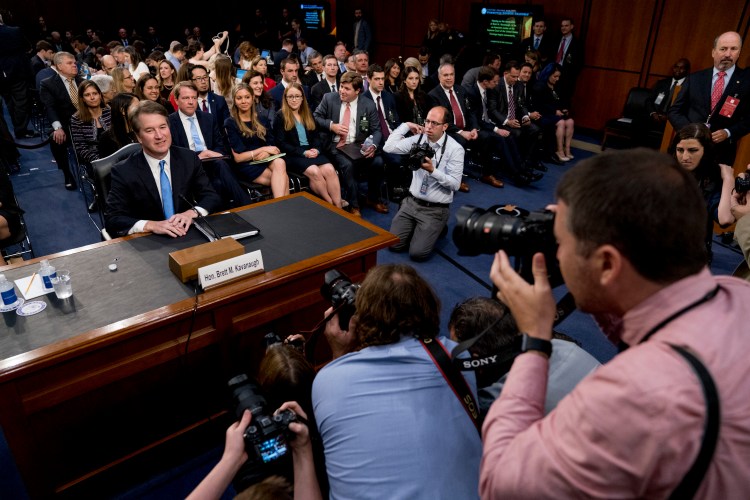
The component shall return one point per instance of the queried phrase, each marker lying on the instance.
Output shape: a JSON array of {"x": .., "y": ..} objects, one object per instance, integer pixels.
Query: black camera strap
[
  {"x": 452, "y": 375},
  {"x": 442, "y": 149}
]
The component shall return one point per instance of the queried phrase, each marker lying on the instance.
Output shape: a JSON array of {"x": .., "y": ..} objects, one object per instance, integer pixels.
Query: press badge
[
  {"x": 423, "y": 187},
  {"x": 727, "y": 110},
  {"x": 659, "y": 99}
]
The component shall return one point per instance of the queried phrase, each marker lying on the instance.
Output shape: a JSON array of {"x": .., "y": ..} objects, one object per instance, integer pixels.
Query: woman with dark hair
[
  {"x": 91, "y": 120},
  {"x": 296, "y": 134},
  {"x": 693, "y": 149},
  {"x": 554, "y": 111},
  {"x": 251, "y": 141},
  {"x": 147, "y": 89},
  {"x": 411, "y": 100},
  {"x": 260, "y": 65},
  {"x": 264, "y": 103},
  {"x": 134, "y": 62},
  {"x": 120, "y": 132},
  {"x": 393, "y": 70}
]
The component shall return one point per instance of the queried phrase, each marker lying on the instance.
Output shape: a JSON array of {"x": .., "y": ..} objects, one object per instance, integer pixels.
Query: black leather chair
[
  {"x": 19, "y": 244},
  {"x": 633, "y": 116},
  {"x": 102, "y": 170}
]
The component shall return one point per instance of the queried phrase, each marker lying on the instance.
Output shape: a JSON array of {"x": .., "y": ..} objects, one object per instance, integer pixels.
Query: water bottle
[
  {"x": 366, "y": 145},
  {"x": 47, "y": 272},
  {"x": 7, "y": 291}
]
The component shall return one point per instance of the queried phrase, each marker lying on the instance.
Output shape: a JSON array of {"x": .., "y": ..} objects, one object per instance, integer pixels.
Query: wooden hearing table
[{"x": 135, "y": 365}]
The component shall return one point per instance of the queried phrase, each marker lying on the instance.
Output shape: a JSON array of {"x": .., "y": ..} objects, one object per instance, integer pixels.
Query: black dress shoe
[
  {"x": 70, "y": 184},
  {"x": 27, "y": 134},
  {"x": 540, "y": 167},
  {"x": 534, "y": 176}
]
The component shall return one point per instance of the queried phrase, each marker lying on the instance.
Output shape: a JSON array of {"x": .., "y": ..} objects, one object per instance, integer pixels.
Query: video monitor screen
[
  {"x": 503, "y": 26},
  {"x": 316, "y": 16}
]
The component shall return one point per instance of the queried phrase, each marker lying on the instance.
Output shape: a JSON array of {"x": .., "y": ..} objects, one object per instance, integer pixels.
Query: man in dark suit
[
  {"x": 658, "y": 102},
  {"x": 569, "y": 55},
  {"x": 515, "y": 118},
  {"x": 199, "y": 132},
  {"x": 493, "y": 139},
  {"x": 289, "y": 68},
  {"x": 349, "y": 120},
  {"x": 718, "y": 97},
  {"x": 315, "y": 73},
  {"x": 208, "y": 101},
  {"x": 15, "y": 75},
  {"x": 42, "y": 58},
  {"x": 56, "y": 94},
  {"x": 287, "y": 46},
  {"x": 148, "y": 188},
  {"x": 362, "y": 32},
  {"x": 330, "y": 82},
  {"x": 544, "y": 44},
  {"x": 464, "y": 127}
]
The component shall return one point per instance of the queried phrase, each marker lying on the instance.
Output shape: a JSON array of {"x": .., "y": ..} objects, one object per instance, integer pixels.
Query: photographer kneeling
[
  {"x": 438, "y": 164},
  {"x": 391, "y": 425}
]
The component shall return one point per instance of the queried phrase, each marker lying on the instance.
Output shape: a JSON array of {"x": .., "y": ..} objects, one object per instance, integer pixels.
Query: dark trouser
[
  {"x": 418, "y": 228},
  {"x": 370, "y": 168},
  {"x": 220, "y": 174},
  {"x": 505, "y": 148},
  {"x": 527, "y": 138},
  {"x": 8, "y": 150},
  {"x": 60, "y": 154},
  {"x": 16, "y": 95}
]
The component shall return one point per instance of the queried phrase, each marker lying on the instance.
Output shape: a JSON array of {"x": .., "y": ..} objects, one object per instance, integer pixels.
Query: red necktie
[
  {"x": 560, "y": 52},
  {"x": 718, "y": 90},
  {"x": 458, "y": 117},
  {"x": 205, "y": 106},
  {"x": 383, "y": 124},
  {"x": 345, "y": 121}
]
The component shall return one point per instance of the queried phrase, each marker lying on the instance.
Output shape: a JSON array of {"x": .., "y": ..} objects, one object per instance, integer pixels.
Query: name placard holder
[{"x": 230, "y": 269}]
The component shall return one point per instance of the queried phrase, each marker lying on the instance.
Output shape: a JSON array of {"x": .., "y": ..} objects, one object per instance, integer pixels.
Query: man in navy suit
[
  {"x": 569, "y": 55},
  {"x": 330, "y": 82},
  {"x": 363, "y": 122},
  {"x": 206, "y": 140},
  {"x": 728, "y": 117},
  {"x": 544, "y": 44},
  {"x": 14, "y": 65},
  {"x": 453, "y": 97},
  {"x": 289, "y": 68},
  {"x": 139, "y": 200},
  {"x": 208, "y": 101},
  {"x": 55, "y": 94}
]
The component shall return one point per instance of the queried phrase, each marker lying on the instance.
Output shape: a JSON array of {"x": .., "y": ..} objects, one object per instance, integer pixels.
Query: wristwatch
[{"x": 529, "y": 343}]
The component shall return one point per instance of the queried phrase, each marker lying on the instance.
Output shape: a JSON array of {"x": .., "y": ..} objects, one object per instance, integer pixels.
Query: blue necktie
[
  {"x": 199, "y": 146},
  {"x": 536, "y": 43},
  {"x": 166, "y": 191}
]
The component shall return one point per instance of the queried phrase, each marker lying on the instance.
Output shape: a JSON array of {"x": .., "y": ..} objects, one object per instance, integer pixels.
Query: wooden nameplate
[{"x": 185, "y": 263}]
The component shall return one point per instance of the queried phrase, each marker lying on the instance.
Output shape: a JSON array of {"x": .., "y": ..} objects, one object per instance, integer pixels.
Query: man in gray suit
[{"x": 349, "y": 120}]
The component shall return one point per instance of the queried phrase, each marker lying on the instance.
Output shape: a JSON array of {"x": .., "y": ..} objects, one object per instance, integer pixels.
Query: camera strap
[{"x": 452, "y": 375}]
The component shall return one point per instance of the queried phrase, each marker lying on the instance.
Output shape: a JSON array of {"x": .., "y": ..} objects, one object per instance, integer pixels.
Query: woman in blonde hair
[
  {"x": 123, "y": 81},
  {"x": 247, "y": 52},
  {"x": 251, "y": 141},
  {"x": 222, "y": 77},
  {"x": 295, "y": 133}
]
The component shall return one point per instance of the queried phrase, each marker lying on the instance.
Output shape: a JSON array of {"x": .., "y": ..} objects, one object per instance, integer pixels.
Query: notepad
[
  {"x": 268, "y": 159},
  {"x": 226, "y": 225}
]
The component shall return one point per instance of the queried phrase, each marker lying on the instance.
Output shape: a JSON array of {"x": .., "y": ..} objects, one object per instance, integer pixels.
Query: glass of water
[{"x": 61, "y": 284}]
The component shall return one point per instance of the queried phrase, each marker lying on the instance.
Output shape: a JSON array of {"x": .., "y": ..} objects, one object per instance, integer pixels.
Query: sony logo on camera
[{"x": 473, "y": 364}]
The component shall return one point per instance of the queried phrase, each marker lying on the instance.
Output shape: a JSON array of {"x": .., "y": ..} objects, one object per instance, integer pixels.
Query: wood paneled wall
[{"x": 627, "y": 43}]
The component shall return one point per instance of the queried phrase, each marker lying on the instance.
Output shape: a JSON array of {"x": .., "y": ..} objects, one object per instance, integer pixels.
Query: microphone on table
[{"x": 201, "y": 218}]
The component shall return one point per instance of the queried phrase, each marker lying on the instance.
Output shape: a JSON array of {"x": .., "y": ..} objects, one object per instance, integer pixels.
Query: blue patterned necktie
[
  {"x": 166, "y": 191},
  {"x": 199, "y": 146}
]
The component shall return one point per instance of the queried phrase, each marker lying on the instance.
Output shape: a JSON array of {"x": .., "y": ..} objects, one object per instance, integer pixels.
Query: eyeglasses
[
  {"x": 131, "y": 77},
  {"x": 200, "y": 78},
  {"x": 294, "y": 97},
  {"x": 432, "y": 123}
]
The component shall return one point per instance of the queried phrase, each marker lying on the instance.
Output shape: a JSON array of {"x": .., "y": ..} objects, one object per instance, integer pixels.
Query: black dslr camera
[
  {"x": 416, "y": 155},
  {"x": 339, "y": 290},
  {"x": 266, "y": 436},
  {"x": 518, "y": 232},
  {"x": 742, "y": 184}
]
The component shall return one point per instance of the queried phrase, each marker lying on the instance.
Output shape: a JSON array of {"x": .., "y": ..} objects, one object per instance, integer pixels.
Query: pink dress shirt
[{"x": 633, "y": 428}]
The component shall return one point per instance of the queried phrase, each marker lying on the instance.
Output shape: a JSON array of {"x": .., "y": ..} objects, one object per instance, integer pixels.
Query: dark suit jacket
[
  {"x": 56, "y": 99},
  {"x": 280, "y": 56},
  {"x": 474, "y": 97},
  {"x": 209, "y": 128},
  {"x": 498, "y": 104},
  {"x": 14, "y": 58},
  {"x": 389, "y": 109},
  {"x": 693, "y": 103},
  {"x": 288, "y": 140},
  {"x": 318, "y": 90},
  {"x": 134, "y": 196},
  {"x": 36, "y": 64},
  {"x": 218, "y": 106},
  {"x": 573, "y": 57},
  {"x": 329, "y": 110},
  {"x": 438, "y": 98},
  {"x": 661, "y": 87},
  {"x": 547, "y": 48},
  {"x": 310, "y": 78}
]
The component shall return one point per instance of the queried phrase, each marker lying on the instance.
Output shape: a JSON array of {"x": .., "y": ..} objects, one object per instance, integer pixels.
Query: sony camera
[
  {"x": 266, "y": 436},
  {"x": 416, "y": 155},
  {"x": 339, "y": 290},
  {"x": 742, "y": 184},
  {"x": 518, "y": 232}
]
